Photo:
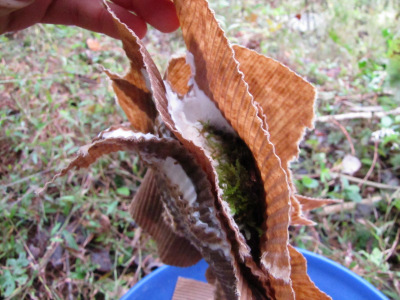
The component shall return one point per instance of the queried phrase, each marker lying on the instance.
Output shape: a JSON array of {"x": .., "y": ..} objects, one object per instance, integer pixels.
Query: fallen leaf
[
  {"x": 102, "y": 259},
  {"x": 93, "y": 44}
]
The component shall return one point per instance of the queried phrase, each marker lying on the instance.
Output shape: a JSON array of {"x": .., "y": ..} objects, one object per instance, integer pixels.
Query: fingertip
[
  {"x": 161, "y": 14},
  {"x": 164, "y": 18},
  {"x": 136, "y": 24}
]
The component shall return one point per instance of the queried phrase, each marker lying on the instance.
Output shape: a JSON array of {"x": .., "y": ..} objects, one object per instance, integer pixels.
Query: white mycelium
[
  {"x": 169, "y": 166},
  {"x": 121, "y": 133},
  {"x": 178, "y": 177},
  {"x": 175, "y": 173},
  {"x": 194, "y": 110}
]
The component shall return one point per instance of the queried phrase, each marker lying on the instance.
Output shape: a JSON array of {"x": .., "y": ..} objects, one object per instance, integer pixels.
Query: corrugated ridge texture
[
  {"x": 147, "y": 211},
  {"x": 189, "y": 289},
  {"x": 218, "y": 76}
]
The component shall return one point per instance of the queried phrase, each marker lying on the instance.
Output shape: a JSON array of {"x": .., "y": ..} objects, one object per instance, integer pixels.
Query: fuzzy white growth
[
  {"x": 195, "y": 109},
  {"x": 207, "y": 229},
  {"x": 177, "y": 177},
  {"x": 175, "y": 173},
  {"x": 276, "y": 271},
  {"x": 190, "y": 61},
  {"x": 172, "y": 170},
  {"x": 189, "y": 115},
  {"x": 121, "y": 133},
  {"x": 169, "y": 166}
]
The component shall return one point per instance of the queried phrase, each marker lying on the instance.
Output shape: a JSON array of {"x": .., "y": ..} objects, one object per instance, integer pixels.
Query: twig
[
  {"x": 394, "y": 246},
  {"x": 346, "y": 133},
  {"x": 68, "y": 271},
  {"x": 362, "y": 96},
  {"x": 25, "y": 179},
  {"x": 372, "y": 165},
  {"x": 359, "y": 115},
  {"x": 366, "y": 182},
  {"x": 354, "y": 179},
  {"x": 333, "y": 209},
  {"x": 376, "y": 108}
]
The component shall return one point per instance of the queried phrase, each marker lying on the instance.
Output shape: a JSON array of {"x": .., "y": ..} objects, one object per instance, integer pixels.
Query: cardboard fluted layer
[
  {"x": 296, "y": 213},
  {"x": 147, "y": 210},
  {"x": 189, "y": 289},
  {"x": 136, "y": 102},
  {"x": 142, "y": 69},
  {"x": 185, "y": 192},
  {"x": 244, "y": 260},
  {"x": 217, "y": 74},
  {"x": 132, "y": 90},
  {"x": 303, "y": 287},
  {"x": 198, "y": 222},
  {"x": 178, "y": 74},
  {"x": 182, "y": 202},
  {"x": 287, "y": 101},
  {"x": 308, "y": 203},
  {"x": 140, "y": 58},
  {"x": 131, "y": 42}
]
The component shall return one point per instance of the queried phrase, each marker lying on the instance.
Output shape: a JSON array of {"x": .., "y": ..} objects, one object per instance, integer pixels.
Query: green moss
[{"x": 239, "y": 180}]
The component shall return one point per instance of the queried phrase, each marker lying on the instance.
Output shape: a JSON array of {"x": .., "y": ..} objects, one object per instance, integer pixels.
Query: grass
[
  {"x": 77, "y": 241},
  {"x": 55, "y": 99}
]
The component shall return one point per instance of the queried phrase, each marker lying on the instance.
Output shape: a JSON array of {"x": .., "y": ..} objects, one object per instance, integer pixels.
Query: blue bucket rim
[
  {"x": 327, "y": 264},
  {"x": 345, "y": 272}
]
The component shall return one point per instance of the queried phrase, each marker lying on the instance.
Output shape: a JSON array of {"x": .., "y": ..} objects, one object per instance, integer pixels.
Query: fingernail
[{"x": 8, "y": 6}]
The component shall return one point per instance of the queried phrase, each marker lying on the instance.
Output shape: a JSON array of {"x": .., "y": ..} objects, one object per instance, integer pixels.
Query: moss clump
[{"x": 239, "y": 180}]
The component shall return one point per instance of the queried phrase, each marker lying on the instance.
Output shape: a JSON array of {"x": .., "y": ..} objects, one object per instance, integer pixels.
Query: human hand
[{"x": 89, "y": 14}]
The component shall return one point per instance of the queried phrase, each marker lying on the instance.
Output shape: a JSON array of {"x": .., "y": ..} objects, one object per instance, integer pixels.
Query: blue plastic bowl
[{"x": 332, "y": 278}]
